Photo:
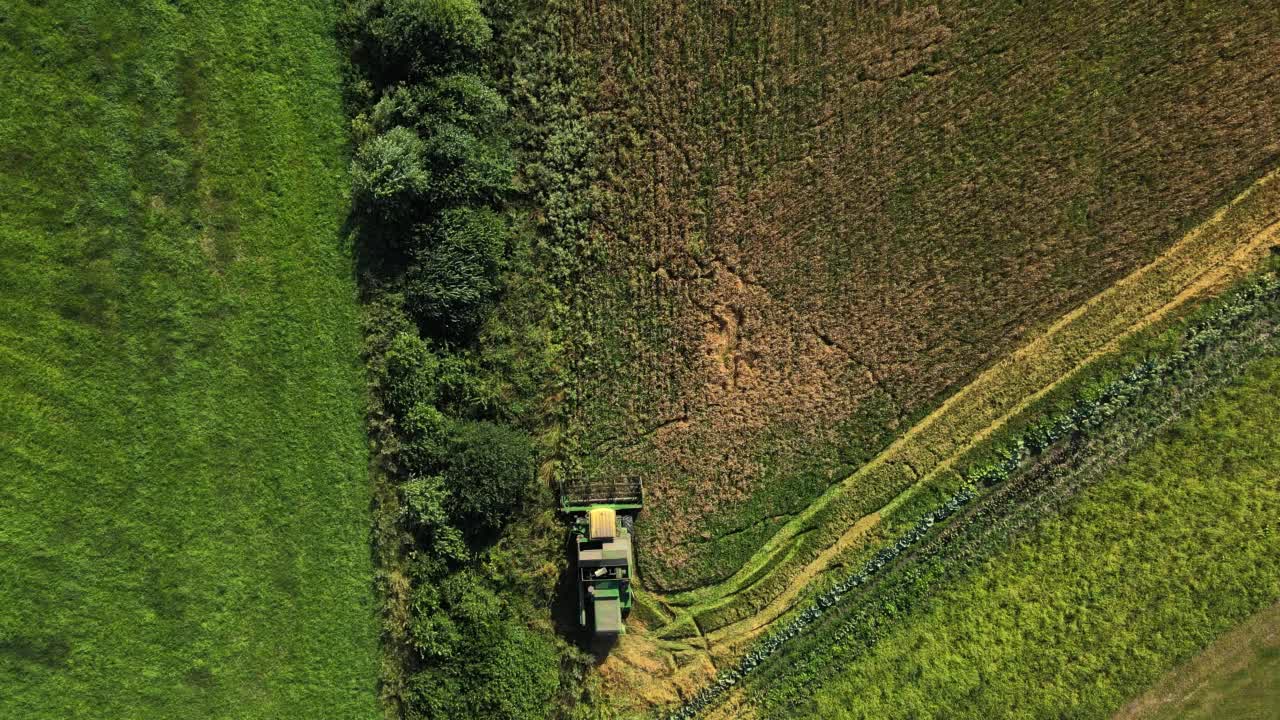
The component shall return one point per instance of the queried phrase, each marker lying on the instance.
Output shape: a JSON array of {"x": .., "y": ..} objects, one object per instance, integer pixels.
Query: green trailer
[{"x": 604, "y": 559}]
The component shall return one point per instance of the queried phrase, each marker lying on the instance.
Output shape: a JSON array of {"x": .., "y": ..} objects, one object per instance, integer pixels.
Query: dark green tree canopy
[
  {"x": 461, "y": 99},
  {"x": 422, "y": 37},
  {"x": 490, "y": 473},
  {"x": 455, "y": 280},
  {"x": 423, "y": 509},
  {"x": 424, "y": 439},
  {"x": 412, "y": 370},
  {"x": 466, "y": 167}
]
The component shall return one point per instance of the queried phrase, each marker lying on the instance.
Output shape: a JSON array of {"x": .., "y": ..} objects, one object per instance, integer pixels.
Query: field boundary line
[
  {"x": 1230, "y": 652},
  {"x": 1206, "y": 256},
  {"x": 1234, "y": 266}
]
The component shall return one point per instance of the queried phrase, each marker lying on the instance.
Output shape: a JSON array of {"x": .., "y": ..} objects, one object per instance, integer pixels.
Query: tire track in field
[
  {"x": 1218, "y": 251},
  {"x": 750, "y": 628}
]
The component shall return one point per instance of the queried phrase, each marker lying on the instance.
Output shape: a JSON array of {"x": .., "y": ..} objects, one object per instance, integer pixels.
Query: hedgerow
[
  {"x": 438, "y": 223},
  {"x": 1086, "y": 417}
]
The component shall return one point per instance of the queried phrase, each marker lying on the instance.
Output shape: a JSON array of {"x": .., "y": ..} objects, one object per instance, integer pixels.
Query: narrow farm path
[
  {"x": 1227, "y": 679},
  {"x": 1210, "y": 256}
]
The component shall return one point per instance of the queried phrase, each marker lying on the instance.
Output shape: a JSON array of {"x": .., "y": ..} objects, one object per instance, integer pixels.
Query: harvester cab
[{"x": 603, "y": 517}]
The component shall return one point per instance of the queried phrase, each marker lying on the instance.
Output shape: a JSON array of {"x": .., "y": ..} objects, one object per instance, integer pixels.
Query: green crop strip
[{"x": 1235, "y": 677}]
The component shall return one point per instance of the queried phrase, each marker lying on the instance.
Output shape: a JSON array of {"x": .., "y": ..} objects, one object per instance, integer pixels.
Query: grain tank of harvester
[{"x": 604, "y": 561}]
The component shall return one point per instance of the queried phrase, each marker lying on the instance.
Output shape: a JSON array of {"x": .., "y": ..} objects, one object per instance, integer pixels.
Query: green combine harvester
[{"x": 603, "y": 515}]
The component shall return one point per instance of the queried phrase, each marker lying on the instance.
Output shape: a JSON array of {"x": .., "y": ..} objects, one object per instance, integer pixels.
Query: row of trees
[
  {"x": 431, "y": 173},
  {"x": 433, "y": 163}
]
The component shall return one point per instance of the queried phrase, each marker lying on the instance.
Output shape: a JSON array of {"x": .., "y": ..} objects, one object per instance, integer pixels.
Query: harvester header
[{"x": 581, "y": 496}]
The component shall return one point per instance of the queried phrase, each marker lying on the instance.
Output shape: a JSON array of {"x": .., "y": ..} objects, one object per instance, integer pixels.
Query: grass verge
[{"x": 184, "y": 512}]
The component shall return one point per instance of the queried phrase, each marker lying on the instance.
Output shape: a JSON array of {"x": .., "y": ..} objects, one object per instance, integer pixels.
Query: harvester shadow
[{"x": 564, "y": 612}]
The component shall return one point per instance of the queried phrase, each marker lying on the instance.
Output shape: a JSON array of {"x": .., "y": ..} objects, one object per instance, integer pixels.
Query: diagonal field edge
[
  {"x": 1214, "y": 252},
  {"x": 750, "y": 627}
]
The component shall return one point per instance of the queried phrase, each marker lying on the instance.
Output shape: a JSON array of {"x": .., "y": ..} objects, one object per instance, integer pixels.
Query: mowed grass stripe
[
  {"x": 1212, "y": 254},
  {"x": 183, "y": 516}
]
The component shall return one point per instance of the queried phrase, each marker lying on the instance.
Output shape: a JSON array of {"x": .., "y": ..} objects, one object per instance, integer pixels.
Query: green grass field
[
  {"x": 183, "y": 502},
  {"x": 1090, "y": 608}
]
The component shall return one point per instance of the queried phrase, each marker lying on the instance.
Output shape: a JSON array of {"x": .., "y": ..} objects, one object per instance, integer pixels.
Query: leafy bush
[
  {"x": 456, "y": 276},
  {"x": 490, "y": 470},
  {"x": 461, "y": 99},
  {"x": 411, "y": 370},
  {"x": 422, "y": 35},
  {"x": 423, "y": 510},
  {"x": 388, "y": 176},
  {"x": 450, "y": 611},
  {"x": 481, "y": 663},
  {"x": 466, "y": 168},
  {"x": 424, "y": 437}
]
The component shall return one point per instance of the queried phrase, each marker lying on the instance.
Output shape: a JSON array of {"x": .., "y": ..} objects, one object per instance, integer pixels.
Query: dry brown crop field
[
  {"x": 812, "y": 223},
  {"x": 700, "y": 630}
]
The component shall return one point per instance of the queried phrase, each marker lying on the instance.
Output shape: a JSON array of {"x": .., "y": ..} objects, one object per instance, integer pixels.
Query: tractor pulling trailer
[{"x": 604, "y": 560}]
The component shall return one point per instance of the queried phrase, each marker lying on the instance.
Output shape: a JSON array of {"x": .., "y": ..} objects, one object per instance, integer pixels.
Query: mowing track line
[{"x": 1218, "y": 251}]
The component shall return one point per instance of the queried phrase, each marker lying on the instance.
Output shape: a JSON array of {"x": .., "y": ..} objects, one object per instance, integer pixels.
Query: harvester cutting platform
[{"x": 605, "y": 562}]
